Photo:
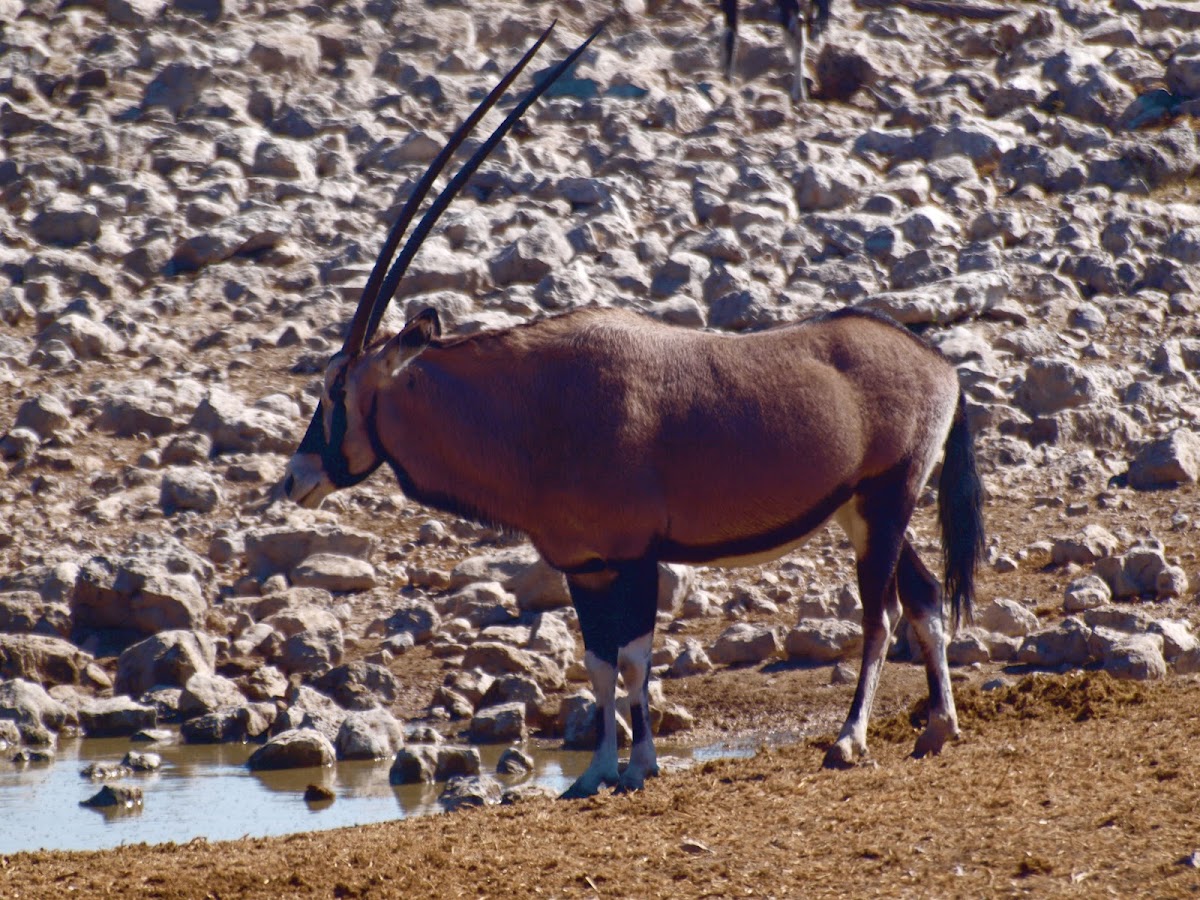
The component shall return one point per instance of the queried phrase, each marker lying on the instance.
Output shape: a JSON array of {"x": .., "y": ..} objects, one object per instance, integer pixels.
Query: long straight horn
[
  {"x": 358, "y": 327},
  {"x": 413, "y": 244}
]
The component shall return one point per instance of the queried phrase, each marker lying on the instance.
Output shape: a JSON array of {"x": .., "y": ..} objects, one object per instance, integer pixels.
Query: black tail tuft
[{"x": 960, "y": 513}]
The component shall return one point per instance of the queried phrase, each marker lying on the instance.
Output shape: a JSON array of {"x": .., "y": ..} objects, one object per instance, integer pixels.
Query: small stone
[
  {"x": 1087, "y": 592},
  {"x": 318, "y": 793},
  {"x": 498, "y": 724},
  {"x": 475, "y": 790},
  {"x": 843, "y": 673},
  {"x": 514, "y": 761},
  {"x": 119, "y": 796},
  {"x": 744, "y": 643},
  {"x": 1168, "y": 462}
]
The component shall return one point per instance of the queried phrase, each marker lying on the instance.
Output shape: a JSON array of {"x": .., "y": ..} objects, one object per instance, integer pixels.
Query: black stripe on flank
[{"x": 669, "y": 550}]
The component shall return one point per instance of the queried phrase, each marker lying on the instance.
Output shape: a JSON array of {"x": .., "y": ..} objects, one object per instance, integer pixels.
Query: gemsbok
[
  {"x": 801, "y": 20},
  {"x": 616, "y": 442}
]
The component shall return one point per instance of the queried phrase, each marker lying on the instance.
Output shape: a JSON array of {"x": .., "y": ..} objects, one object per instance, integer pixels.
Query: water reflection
[{"x": 205, "y": 790}]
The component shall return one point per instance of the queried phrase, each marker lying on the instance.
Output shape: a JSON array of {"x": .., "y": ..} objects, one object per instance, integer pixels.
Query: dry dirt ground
[{"x": 1063, "y": 786}]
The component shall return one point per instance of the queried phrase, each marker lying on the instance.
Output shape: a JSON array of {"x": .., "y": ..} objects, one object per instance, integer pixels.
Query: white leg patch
[
  {"x": 603, "y": 767},
  {"x": 634, "y": 662}
]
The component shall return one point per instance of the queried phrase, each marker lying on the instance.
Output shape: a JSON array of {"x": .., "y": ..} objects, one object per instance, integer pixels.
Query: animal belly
[
  {"x": 754, "y": 546},
  {"x": 764, "y": 556}
]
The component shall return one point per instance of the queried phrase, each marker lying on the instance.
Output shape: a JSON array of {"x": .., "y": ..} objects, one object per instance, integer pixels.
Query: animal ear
[{"x": 414, "y": 337}]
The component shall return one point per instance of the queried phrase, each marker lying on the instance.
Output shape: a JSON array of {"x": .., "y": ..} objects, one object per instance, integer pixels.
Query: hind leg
[
  {"x": 922, "y": 599},
  {"x": 729, "y": 37},
  {"x": 877, "y": 545},
  {"x": 794, "y": 29}
]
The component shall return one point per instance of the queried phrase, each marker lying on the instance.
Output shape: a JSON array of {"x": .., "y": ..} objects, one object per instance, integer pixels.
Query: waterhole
[{"x": 206, "y": 791}]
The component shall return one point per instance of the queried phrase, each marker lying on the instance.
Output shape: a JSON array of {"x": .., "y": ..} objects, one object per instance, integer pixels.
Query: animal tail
[{"x": 960, "y": 514}]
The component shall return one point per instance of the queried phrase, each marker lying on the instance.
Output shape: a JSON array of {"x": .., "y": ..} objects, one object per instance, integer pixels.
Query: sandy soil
[{"x": 1062, "y": 786}]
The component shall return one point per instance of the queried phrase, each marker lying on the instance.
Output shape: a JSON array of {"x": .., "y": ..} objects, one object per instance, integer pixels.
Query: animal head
[{"x": 340, "y": 448}]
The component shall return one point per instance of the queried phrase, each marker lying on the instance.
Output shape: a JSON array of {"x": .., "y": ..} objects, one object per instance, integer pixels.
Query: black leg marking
[
  {"x": 620, "y": 612},
  {"x": 599, "y": 717},
  {"x": 641, "y": 722}
]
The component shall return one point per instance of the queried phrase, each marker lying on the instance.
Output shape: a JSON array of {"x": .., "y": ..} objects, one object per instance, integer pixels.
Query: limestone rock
[
  {"x": 167, "y": 658},
  {"x": 281, "y": 549},
  {"x": 823, "y": 640},
  {"x": 744, "y": 643},
  {"x": 500, "y": 724},
  {"x": 46, "y": 660},
  {"x": 334, "y": 573},
  {"x": 1168, "y": 462},
  {"x": 295, "y": 749},
  {"x": 370, "y": 734},
  {"x": 476, "y": 790},
  {"x": 116, "y": 795},
  {"x": 38, "y": 716},
  {"x": 116, "y": 717}
]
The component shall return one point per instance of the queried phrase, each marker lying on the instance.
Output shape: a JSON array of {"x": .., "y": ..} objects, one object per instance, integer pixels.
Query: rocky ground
[{"x": 192, "y": 193}]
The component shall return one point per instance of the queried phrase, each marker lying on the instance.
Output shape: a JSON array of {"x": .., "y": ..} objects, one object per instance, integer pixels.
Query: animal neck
[{"x": 448, "y": 444}]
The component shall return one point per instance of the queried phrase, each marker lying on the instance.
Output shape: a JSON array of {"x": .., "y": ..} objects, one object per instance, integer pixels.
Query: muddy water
[{"x": 206, "y": 791}]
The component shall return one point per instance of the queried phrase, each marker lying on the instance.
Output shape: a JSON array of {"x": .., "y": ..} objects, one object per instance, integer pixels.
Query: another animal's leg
[
  {"x": 616, "y": 615},
  {"x": 634, "y": 661},
  {"x": 729, "y": 37},
  {"x": 922, "y": 599},
  {"x": 794, "y": 28},
  {"x": 876, "y": 528}
]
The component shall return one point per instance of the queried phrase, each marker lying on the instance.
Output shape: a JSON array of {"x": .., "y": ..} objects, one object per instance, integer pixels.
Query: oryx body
[
  {"x": 616, "y": 442},
  {"x": 801, "y": 20}
]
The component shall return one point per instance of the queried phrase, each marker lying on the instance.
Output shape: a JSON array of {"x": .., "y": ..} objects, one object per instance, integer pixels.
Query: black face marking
[{"x": 330, "y": 448}]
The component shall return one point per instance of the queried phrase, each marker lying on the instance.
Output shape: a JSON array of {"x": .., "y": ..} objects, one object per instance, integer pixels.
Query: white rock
[{"x": 823, "y": 640}]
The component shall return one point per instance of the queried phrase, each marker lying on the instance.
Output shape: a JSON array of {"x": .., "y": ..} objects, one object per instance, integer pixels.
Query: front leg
[
  {"x": 616, "y": 610},
  {"x": 603, "y": 767},
  {"x": 634, "y": 660}
]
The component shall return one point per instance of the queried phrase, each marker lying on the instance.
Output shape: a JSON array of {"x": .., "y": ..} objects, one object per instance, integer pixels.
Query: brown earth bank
[{"x": 1062, "y": 786}]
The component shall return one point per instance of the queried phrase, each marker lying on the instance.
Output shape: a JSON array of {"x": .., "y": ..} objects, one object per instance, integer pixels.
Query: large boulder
[
  {"x": 230, "y": 724},
  {"x": 297, "y": 748},
  {"x": 500, "y": 724},
  {"x": 1168, "y": 462},
  {"x": 26, "y": 612},
  {"x": 282, "y": 549},
  {"x": 115, "y": 717},
  {"x": 498, "y": 658},
  {"x": 312, "y": 639},
  {"x": 168, "y": 658},
  {"x": 46, "y": 660},
  {"x": 205, "y": 693},
  {"x": 745, "y": 643},
  {"x": 39, "y": 717},
  {"x": 823, "y": 640},
  {"x": 370, "y": 734},
  {"x": 309, "y": 708},
  {"x": 359, "y": 685},
  {"x": 156, "y": 588}
]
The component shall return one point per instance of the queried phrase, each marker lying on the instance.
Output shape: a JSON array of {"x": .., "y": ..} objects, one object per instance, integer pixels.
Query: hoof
[
  {"x": 932, "y": 739},
  {"x": 840, "y": 756},
  {"x": 629, "y": 785},
  {"x": 579, "y": 791}
]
